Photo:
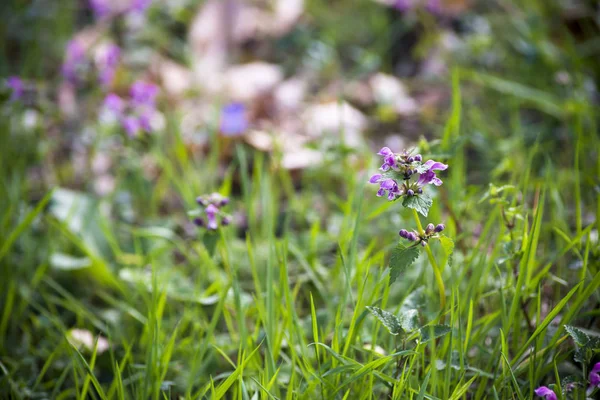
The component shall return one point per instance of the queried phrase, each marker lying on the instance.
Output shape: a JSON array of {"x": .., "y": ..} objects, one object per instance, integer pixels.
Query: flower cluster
[
  {"x": 431, "y": 231},
  {"x": 405, "y": 168},
  {"x": 212, "y": 205},
  {"x": 136, "y": 114}
]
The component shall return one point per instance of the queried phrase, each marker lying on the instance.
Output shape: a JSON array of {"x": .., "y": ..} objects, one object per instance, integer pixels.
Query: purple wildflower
[
  {"x": 101, "y": 8},
  {"x": 140, "y": 6},
  {"x": 595, "y": 376},
  {"x": 386, "y": 185},
  {"x": 429, "y": 176},
  {"x": 233, "y": 119},
  {"x": 145, "y": 120},
  {"x": 546, "y": 393},
  {"x": 114, "y": 104},
  {"x": 132, "y": 126},
  {"x": 107, "y": 63},
  {"x": 143, "y": 94},
  {"x": 74, "y": 58},
  {"x": 16, "y": 85}
]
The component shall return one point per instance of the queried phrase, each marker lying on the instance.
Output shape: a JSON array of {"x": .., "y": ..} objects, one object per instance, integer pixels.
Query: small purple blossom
[
  {"x": 143, "y": 94},
  {"x": 211, "y": 208},
  {"x": 132, "y": 126},
  {"x": 211, "y": 215},
  {"x": 388, "y": 158},
  {"x": 595, "y": 376},
  {"x": 546, "y": 393},
  {"x": 140, "y": 6},
  {"x": 386, "y": 185},
  {"x": 101, "y": 8},
  {"x": 234, "y": 121},
  {"x": 429, "y": 176},
  {"x": 16, "y": 85},
  {"x": 74, "y": 58},
  {"x": 145, "y": 119},
  {"x": 114, "y": 104}
]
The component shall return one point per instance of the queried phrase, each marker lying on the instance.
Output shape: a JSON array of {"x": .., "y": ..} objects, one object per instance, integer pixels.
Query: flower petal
[
  {"x": 543, "y": 391},
  {"x": 435, "y": 165},
  {"x": 375, "y": 178},
  {"x": 388, "y": 184},
  {"x": 385, "y": 151}
]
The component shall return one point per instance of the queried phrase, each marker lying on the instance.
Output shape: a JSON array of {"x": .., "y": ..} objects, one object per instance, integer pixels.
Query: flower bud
[
  {"x": 410, "y": 159},
  {"x": 423, "y": 243},
  {"x": 224, "y": 201},
  {"x": 410, "y": 192},
  {"x": 411, "y": 236},
  {"x": 200, "y": 200},
  {"x": 440, "y": 227},
  {"x": 429, "y": 229},
  {"x": 418, "y": 157},
  {"x": 409, "y": 172},
  {"x": 420, "y": 190},
  {"x": 199, "y": 221},
  {"x": 403, "y": 233},
  {"x": 226, "y": 220}
]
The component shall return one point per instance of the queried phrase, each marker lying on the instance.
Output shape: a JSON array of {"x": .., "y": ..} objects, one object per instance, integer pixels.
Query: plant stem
[{"x": 436, "y": 270}]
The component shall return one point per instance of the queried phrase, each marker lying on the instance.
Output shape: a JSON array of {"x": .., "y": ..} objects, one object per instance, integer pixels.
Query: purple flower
[
  {"x": 145, "y": 119},
  {"x": 386, "y": 185},
  {"x": 388, "y": 158},
  {"x": 114, "y": 104},
  {"x": 131, "y": 125},
  {"x": 594, "y": 376},
  {"x": 16, "y": 85},
  {"x": 107, "y": 63},
  {"x": 429, "y": 176},
  {"x": 233, "y": 119},
  {"x": 101, "y": 8},
  {"x": 211, "y": 215},
  {"x": 143, "y": 94},
  {"x": 546, "y": 393},
  {"x": 140, "y": 6},
  {"x": 403, "y": 5},
  {"x": 74, "y": 58}
]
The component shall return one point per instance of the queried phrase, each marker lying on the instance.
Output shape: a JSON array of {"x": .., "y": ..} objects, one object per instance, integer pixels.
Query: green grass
[{"x": 276, "y": 307}]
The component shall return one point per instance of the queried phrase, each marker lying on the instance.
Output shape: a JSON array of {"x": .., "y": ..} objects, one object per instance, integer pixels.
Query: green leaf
[
  {"x": 422, "y": 203},
  {"x": 581, "y": 338},
  {"x": 402, "y": 257},
  {"x": 448, "y": 246},
  {"x": 409, "y": 320},
  {"x": 433, "y": 332},
  {"x": 389, "y": 320},
  {"x": 587, "y": 345}
]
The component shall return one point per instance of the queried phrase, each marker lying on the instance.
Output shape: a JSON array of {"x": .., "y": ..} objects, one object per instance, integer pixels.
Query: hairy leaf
[
  {"x": 433, "y": 332},
  {"x": 389, "y": 320},
  {"x": 402, "y": 257},
  {"x": 422, "y": 203}
]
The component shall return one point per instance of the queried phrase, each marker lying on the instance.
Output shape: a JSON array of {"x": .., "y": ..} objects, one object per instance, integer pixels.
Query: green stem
[{"x": 436, "y": 270}]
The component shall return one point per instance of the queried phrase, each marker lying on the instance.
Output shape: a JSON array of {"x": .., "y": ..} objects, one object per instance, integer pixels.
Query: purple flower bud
[
  {"x": 410, "y": 159},
  {"x": 403, "y": 233},
  {"x": 199, "y": 221},
  {"x": 385, "y": 151},
  {"x": 418, "y": 157},
  {"x": 226, "y": 221},
  {"x": 410, "y": 192},
  {"x": 409, "y": 172},
  {"x": 375, "y": 178},
  {"x": 200, "y": 200},
  {"x": 224, "y": 201},
  {"x": 440, "y": 227},
  {"x": 420, "y": 190},
  {"x": 423, "y": 243},
  {"x": 211, "y": 214},
  {"x": 429, "y": 229},
  {"x": 411, "y": 236}
]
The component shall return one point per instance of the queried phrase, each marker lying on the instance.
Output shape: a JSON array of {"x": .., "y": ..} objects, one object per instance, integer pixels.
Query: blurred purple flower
[
  {"x": 211, "y": 215},
  {"x": 143, "y": 94},
  {"x": 546, "y": 393},
  {"x": 131, "y": 125},
  {"x": 114, "y": 104},
  {"x": 140, "y": 6},
  {"x": 101, "y": 8},
  {"x": 233, "y": 119},
  {"x": 145, "y": 119},
  {"x": 16, "y": 85},
  {"x": 432, "y": 6},
  {"x": 107, "y": 63},
  {"x": 429, "y": 176},
  {"x": 595, "y": 376},
  {"x": 74, "y": 57}
]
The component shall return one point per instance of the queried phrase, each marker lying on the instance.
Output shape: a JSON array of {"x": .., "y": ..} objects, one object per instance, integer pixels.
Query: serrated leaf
[
  {"x": 448, "y": 246},
  {"x": 433, "y": 332},
  {"x": 409, "y": 320},
  {"x": 389, "y": 320},
  {"x": 402, "y": 257},
  {"x": 580, "y": 337},
  {"x": 422, "y": 203}
]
